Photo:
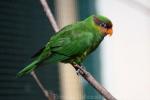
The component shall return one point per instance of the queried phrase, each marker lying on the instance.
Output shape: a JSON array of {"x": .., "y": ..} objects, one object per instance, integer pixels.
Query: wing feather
[{"x": 72, "y": 46}]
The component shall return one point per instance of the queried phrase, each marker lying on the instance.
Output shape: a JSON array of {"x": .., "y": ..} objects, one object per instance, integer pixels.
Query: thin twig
[
  {"x": 86, "y": 75},
  {"x": 49, "y": 15},
  {"x": 39, "y": 83},
  {"x": 46, "y": 93}
]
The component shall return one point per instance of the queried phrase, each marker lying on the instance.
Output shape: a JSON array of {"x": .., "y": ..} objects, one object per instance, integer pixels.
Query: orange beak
[{"x": 109, "y": 32}]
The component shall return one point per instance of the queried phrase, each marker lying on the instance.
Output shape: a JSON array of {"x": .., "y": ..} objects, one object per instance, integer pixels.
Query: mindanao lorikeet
[{"x": 72, "y": 43}]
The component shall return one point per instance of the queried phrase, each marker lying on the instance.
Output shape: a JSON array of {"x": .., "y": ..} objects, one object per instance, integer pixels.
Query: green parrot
[{"x": 72, "y": 43}]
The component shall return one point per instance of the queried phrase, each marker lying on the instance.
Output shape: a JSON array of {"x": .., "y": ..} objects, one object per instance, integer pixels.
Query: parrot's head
[{"x": 103, "y": 24}]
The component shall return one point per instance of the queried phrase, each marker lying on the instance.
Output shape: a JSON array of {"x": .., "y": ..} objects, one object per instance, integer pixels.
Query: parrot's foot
[
  {"x": 78, "y": 72},
  {"x": 76, "y": 68},
  {"x": 79, "y": 68}
]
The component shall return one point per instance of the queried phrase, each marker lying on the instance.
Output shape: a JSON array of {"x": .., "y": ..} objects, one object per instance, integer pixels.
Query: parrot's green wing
[
  {"x": 63, "y": 30},
  {"x": 73, "y": 45},
  {"x": 69, "y": 42}
]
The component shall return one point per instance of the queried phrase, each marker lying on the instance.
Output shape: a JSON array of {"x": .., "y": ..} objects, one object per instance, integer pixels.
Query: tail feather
[{"x": 28, "y": 68}]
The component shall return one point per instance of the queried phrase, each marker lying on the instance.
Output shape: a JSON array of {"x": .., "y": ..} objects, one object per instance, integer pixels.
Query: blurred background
[{"x": 121, "y": 63}]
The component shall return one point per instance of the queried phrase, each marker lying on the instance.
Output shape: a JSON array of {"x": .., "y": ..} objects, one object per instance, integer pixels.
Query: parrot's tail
[{"x": 28, "y": 68}]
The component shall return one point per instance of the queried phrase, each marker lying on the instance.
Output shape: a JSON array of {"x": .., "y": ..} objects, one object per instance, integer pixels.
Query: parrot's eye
[{"x": 103, "y": 25}]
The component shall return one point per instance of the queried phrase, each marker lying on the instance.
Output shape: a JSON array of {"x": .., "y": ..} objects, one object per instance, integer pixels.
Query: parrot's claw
[
  {"x": 83, "y": 67},
  {"x": 78, "y": 72},
  {"x": 78, "y": 68}
]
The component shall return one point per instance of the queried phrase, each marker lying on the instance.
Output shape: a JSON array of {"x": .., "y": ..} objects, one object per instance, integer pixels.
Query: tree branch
[
  {"x": 86, "y": 75},
  {"x": 92, "y": 81}
]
